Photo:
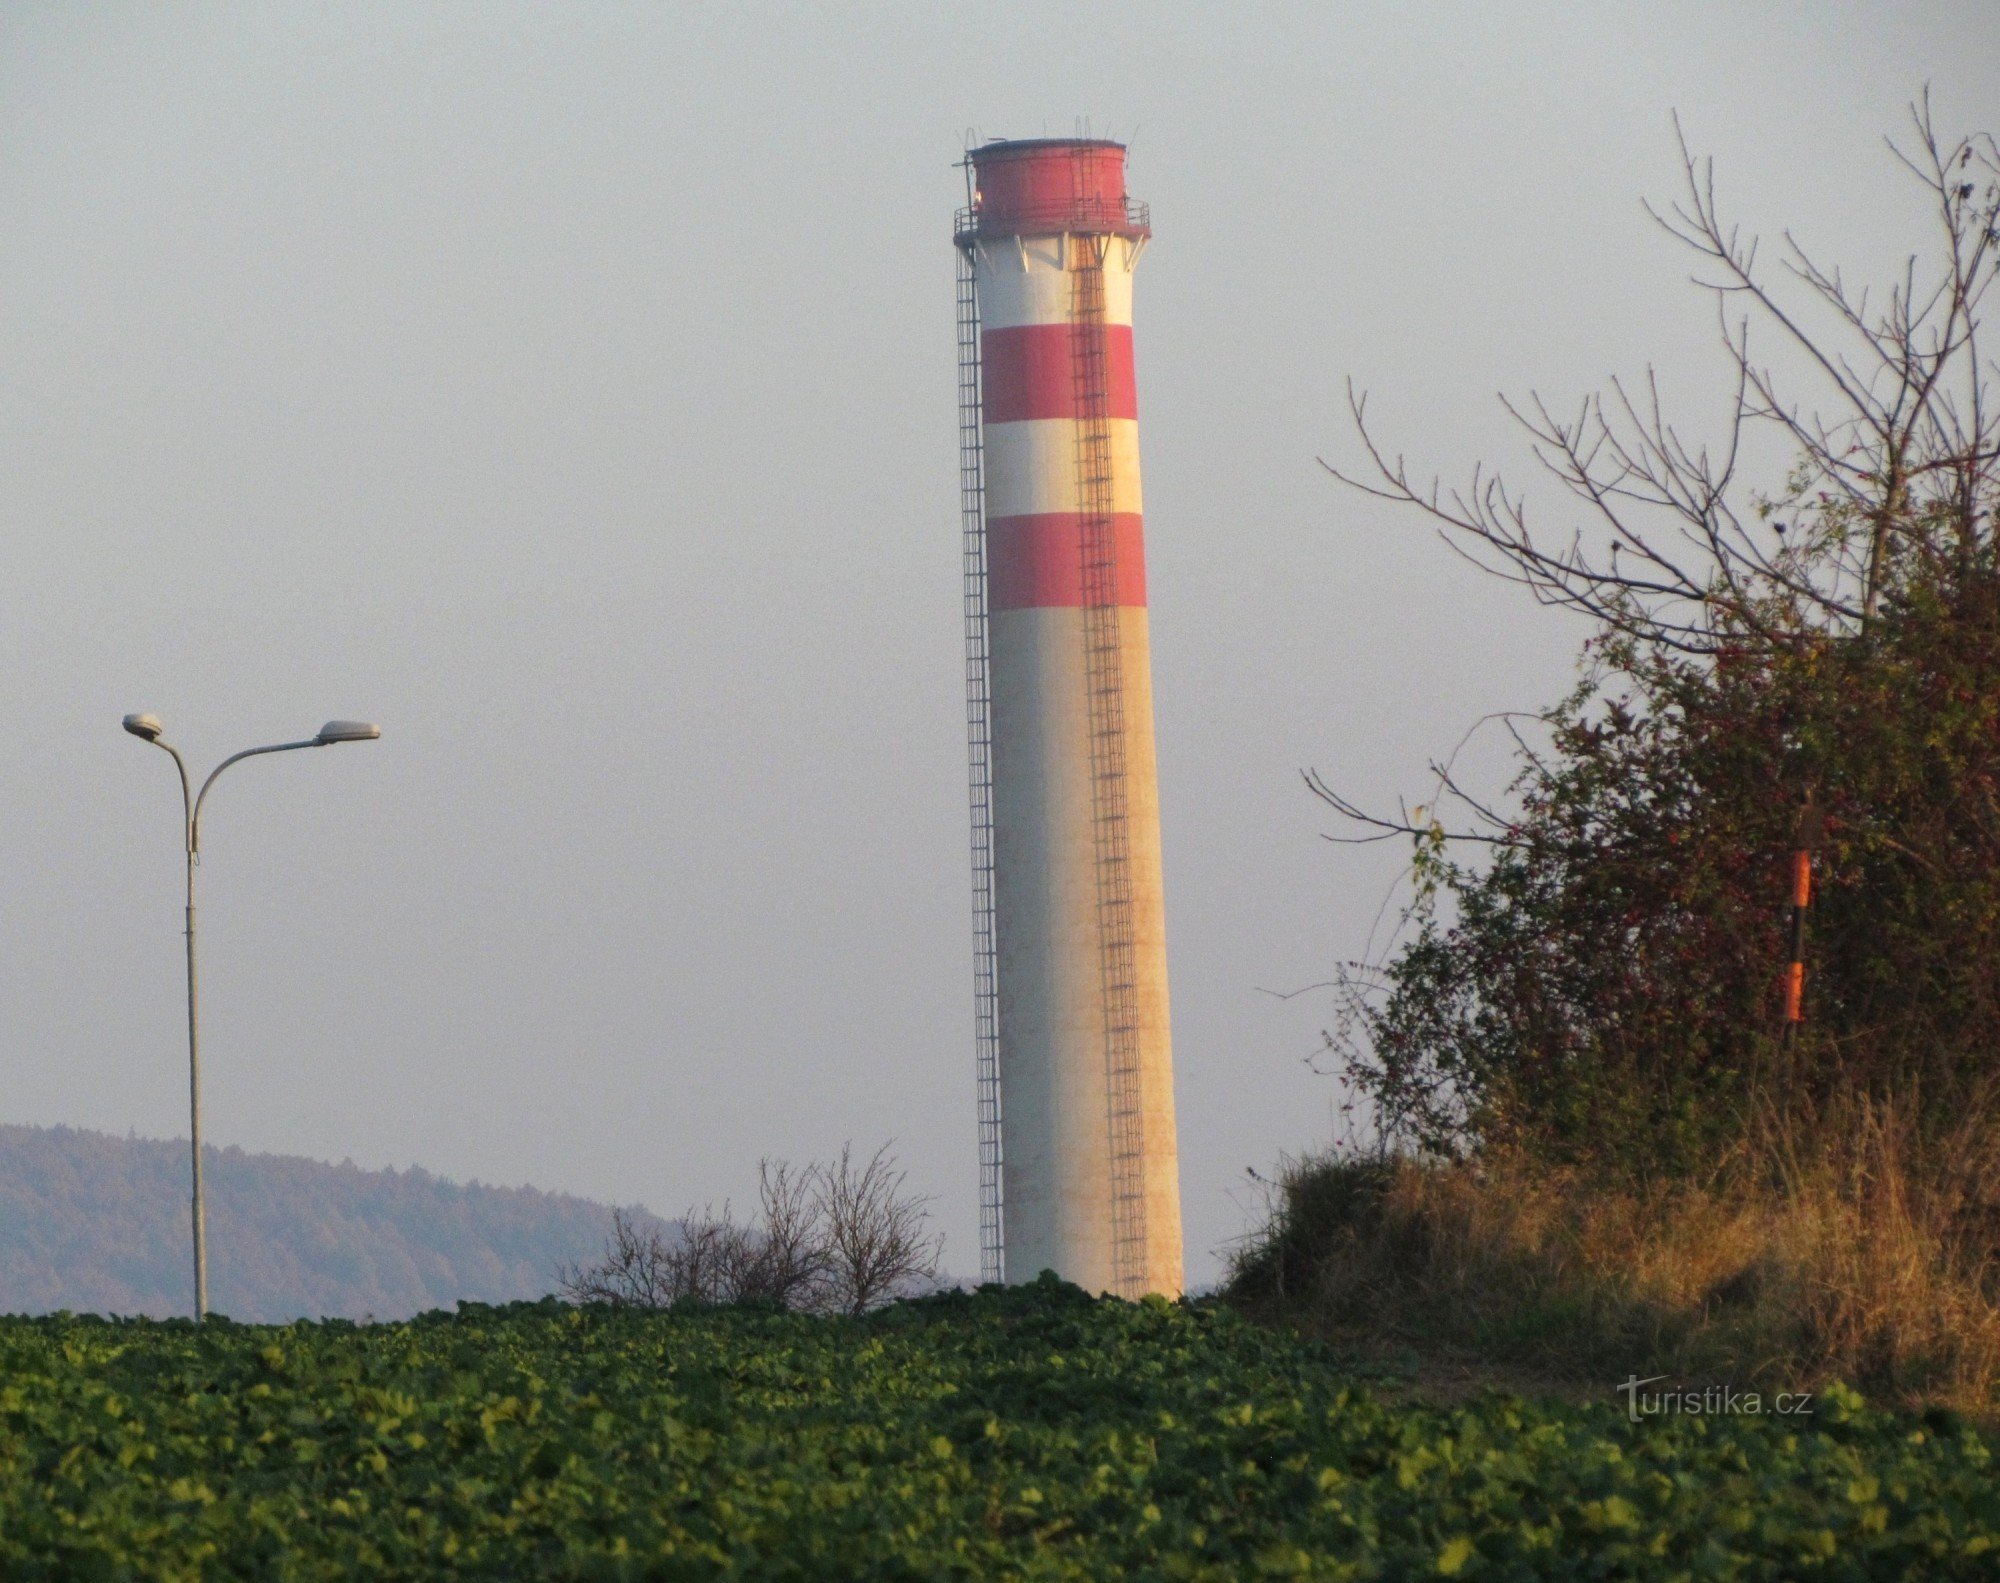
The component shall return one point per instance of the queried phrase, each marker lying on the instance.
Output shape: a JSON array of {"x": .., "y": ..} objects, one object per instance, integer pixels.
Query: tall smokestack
[{"x": 1079, "y": 1164}]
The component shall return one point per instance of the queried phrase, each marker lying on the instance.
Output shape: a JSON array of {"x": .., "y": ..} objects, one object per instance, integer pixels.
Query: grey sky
[{"x": 571, "y": 389}]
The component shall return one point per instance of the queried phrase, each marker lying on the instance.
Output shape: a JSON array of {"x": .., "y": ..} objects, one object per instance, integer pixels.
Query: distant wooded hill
[{"x": 99, "y": 1224}]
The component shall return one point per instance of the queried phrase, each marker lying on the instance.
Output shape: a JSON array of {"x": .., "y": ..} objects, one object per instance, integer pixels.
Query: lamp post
[{"x": 148, "y": 728}]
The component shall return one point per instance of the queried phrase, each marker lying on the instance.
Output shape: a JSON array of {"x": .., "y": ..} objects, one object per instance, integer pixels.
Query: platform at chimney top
[{"x": 1048, "y": 186}]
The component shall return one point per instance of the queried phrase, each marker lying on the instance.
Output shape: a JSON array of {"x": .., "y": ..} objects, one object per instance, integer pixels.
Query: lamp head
[
  {"x": 347, "y": 731},
  {"x": 147, "y": 726}
]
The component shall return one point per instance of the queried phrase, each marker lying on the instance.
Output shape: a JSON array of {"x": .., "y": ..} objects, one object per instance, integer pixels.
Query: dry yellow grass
[{"x": 1853, "y": 1245}]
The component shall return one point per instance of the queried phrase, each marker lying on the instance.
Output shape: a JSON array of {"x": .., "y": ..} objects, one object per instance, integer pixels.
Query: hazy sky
[{"x": 571, "y": 389}]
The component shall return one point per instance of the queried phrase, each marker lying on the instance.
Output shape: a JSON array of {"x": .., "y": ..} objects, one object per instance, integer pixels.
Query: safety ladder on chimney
[
  {"x": 979, "y": 748},
  {"x": 1087, "y": 249}
]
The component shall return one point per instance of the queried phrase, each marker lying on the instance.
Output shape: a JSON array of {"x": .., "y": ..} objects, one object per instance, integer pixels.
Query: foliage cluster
[
  {"x": 1604, "y": 986},
  {"x": 1031, "y": 1432},
  {"x": 1611, "y": 982}
]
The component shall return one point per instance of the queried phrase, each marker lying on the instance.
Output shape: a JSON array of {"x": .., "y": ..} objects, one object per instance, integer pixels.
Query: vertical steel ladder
[
  {"x": 1086, "y": 251},
  {"x": 979, "y": 748}
]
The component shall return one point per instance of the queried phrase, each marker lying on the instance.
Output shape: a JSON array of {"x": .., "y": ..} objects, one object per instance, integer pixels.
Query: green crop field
[{"x": 1031, "y": 1433}]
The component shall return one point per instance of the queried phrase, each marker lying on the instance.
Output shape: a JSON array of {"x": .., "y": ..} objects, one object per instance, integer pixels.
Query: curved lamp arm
[
  {"x": 194, "y": 818},
  {"x": 187, "y": 802}
]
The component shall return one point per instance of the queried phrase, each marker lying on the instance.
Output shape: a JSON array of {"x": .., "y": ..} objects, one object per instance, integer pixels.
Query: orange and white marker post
[{"x": 1811, "y": 826}]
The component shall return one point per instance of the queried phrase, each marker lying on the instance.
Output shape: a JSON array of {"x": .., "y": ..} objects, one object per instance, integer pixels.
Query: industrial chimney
[{"x": 1079, "y": 1171}]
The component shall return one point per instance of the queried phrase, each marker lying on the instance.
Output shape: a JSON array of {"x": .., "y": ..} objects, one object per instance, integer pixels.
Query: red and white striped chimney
[{"x": 1077, "y": 1080}]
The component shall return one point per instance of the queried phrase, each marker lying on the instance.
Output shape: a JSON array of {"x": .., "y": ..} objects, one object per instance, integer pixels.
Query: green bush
[
  {"x": 1610, "y": 985},
  {"x": 1605, "y": 986}
]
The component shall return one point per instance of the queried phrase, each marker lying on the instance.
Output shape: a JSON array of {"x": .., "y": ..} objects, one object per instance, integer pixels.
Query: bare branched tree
[
  {"x": 786, "y": 1261},
  {"x": 1896, "y": 448},
  {"x": 877, "y": 1232},
  {"x": 628, "y": 1275},
  {"x": 1805, "y": 610},
  {"x": 1896, "y": 455},
  {"x": 653, "y": 1267},
  {"x": 843, "y": 1238}
]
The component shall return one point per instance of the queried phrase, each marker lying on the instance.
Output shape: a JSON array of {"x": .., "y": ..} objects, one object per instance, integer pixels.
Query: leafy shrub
[
  {"x": 1609, "y": 986},
  {"x": 1604, "y": 990}
]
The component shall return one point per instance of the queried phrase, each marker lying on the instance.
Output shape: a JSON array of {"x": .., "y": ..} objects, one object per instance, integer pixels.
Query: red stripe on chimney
[
  {"x": 1036, "y": 562},
  {"x": 1031, "y": 371}
]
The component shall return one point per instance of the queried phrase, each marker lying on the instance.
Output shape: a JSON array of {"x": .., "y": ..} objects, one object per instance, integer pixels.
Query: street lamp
[{"x": 148, "y": 728}]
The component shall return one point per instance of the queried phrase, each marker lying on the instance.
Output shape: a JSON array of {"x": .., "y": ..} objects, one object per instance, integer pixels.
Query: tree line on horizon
[{"x": 93, "y": 1223}]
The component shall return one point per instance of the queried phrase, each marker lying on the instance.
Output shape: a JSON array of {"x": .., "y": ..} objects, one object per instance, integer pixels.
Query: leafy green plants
[{"x": 1030, "y": 1432}]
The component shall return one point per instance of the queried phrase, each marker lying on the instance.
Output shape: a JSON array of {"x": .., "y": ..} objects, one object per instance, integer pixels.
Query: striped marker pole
[
  {"x": 1090, "y": 1177},
  {"x": 1810, "y": 826}
]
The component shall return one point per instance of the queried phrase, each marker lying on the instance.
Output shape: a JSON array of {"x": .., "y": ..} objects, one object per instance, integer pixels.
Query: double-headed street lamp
[{"x": 149, "y": 727}]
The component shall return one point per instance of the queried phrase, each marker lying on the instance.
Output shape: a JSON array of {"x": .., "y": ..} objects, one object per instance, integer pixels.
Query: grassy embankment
[
  {"x": 1029, "y": 1433},
  {"x": 1864, "y": 1248}
]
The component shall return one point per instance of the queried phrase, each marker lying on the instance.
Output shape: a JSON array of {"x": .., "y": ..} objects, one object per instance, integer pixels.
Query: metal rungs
[
  {"x": 979, "y": 752},
  {"x": 1104, "y": 690}
]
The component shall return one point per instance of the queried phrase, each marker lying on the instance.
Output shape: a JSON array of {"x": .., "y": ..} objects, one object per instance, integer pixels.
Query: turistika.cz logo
[{"x": 1709, "y": 1400}]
